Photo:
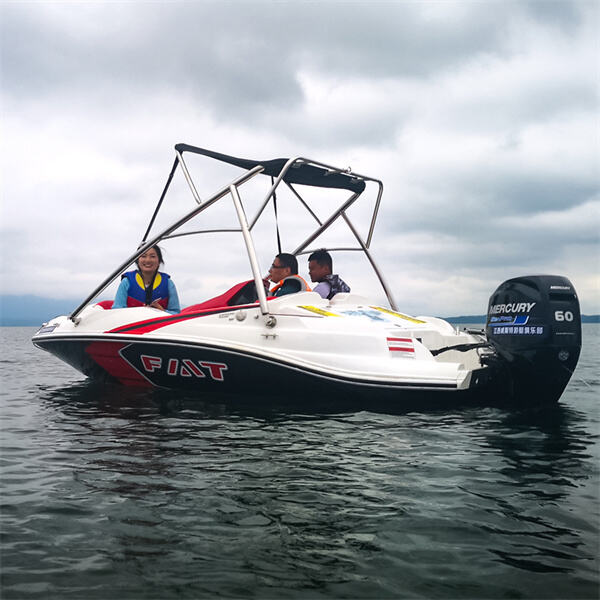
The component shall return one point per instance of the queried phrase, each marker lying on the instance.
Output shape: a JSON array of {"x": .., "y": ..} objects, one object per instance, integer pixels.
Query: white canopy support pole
[
  {"x": 327, "y": 224},
  {"x": 152, "y": 242},
  {"x": 277, "y": 181},
  {"x": 258, "y": 282},
  {"x": 188, "y": 178},
  {"x": 372, "y": 261},
  {"x": 375, "y": 212}
]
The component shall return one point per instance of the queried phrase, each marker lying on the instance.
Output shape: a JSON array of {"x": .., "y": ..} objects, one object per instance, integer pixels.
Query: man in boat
[
  {"x": 320, "y": 267},
  {"x": 284, "y": 274}
]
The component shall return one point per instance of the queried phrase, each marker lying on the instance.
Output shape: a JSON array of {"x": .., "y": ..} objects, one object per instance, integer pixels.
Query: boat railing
[
  {"x": 149, "y": 243},
  {"x": 247, "y": 226}
]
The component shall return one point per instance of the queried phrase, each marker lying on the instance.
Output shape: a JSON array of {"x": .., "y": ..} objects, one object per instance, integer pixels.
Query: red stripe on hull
[
  {"x": 106, "y": 355},
  {"x": 141, "y": 327}
]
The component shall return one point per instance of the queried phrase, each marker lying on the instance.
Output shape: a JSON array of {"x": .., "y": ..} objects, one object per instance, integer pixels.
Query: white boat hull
[{"x": 314, "y": 346}]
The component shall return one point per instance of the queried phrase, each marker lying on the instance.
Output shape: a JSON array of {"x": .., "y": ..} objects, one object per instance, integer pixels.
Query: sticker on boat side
[
  {"x": 361, "y": 312},
  {"x": 46, "y": 329},
  {"x": 397, "y": 314},
  {"x": 402, "y": 347},
  {"x": 319, "y": 311}
]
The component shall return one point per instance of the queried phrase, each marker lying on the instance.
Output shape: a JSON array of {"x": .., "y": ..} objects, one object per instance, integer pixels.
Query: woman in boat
[{"x": 147, "y": 286}]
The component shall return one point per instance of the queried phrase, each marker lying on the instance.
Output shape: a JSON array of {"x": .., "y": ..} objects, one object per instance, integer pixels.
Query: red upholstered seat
[{"x": 105, "y": 304}]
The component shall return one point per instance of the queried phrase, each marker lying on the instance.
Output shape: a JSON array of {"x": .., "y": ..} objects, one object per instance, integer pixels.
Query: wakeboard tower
[{"x": 350, "y": 347}]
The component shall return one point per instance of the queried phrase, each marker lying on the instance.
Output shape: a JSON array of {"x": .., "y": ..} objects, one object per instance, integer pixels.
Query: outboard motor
[{"x": 535, "y": 325}]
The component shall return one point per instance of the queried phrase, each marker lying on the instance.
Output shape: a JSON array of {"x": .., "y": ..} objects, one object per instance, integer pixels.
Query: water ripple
[{"x": 115, "y": 492}]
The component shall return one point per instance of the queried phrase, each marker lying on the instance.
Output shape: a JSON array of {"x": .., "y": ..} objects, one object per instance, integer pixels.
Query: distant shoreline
[
  {"x": 481, "y": 319},
  {"x": 36, "y": 321},
  {"x": 475, "y": 320},
  {"x": 31, "y": 311}
]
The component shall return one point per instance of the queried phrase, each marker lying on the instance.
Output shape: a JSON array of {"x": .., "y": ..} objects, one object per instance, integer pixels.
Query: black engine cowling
[{"x": 534, "y": 323}]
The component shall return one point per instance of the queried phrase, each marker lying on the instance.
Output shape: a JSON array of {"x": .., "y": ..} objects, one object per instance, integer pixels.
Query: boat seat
[{"x": 241, "y": 293}]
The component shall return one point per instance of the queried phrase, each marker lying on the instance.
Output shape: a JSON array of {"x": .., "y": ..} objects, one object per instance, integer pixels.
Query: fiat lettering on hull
[{"x": 184, "y": 367}]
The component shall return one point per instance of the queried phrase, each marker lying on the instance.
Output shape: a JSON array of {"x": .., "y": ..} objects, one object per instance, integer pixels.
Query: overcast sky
[{"x": 481, "y": 119}]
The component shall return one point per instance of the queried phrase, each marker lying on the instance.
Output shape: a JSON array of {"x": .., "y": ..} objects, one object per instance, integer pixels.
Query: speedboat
[{"x": 244, "y": 341}]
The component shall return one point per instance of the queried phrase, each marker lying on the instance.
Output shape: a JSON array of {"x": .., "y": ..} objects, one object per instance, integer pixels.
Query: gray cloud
[
  {"x": 242, "y": 61},
  {"x": 477, "y": 116},
  {"x": 566, "y": 16},
  {"x": 236, "y": 54}
]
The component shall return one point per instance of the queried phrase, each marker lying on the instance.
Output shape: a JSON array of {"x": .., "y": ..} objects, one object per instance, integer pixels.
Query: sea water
[{"x": 108, "y": 492}]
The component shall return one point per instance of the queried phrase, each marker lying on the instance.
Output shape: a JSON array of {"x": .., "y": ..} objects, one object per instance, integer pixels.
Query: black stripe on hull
[{"x": 204, "y": 371}]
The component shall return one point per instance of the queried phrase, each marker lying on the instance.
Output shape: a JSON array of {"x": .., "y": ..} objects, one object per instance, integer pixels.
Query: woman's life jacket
[
  {"x": 140, "y": 295},
  {"x": 303, "y": 286}
]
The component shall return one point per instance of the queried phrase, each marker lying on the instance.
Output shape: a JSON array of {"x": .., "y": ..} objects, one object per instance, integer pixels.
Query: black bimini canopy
[{"x": 301, "y": 173}]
